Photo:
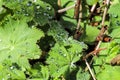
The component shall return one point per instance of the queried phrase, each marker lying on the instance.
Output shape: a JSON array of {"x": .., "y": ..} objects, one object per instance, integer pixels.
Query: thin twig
[
  {"x": 92, "y": 74},
  {"x": 93, "y": 8},
  {"x": 91, "y": 53},
  {"x": 77, "y": 9},
  {"x": 97, "y": 47},
  {"x": 80, "y": 17},
  {"x": 65, "y": 9},
  {"x": 103, "y": 21},
  {"x": 78, "y": 30},
  {"x": 105, "y": 12}
]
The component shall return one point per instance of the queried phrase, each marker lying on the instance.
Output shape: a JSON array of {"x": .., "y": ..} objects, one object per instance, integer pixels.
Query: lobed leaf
[{"x": 18, "y": 43}]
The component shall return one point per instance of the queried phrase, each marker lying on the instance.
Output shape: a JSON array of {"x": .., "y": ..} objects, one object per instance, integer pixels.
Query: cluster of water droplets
[
  {"x": 43, "y": 11},
  {"x": 29, "y": 3}
]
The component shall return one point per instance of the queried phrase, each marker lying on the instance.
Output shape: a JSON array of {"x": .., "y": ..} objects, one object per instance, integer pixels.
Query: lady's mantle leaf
[
  {"x": 39, "y": 72},
  {"x": 102, "y": 66},
  {"x": 61, "y": 58},
  {"x": 18, "y": 42},
  {"x": 109, "y": 73}
]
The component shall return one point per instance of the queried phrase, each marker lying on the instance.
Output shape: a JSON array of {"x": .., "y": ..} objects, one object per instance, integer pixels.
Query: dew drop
[
  {"x": 50, "y": 17},
  {"x": 12, "y": 67},
  {"x": 49, "y": 8},
  {"x": 29, "y": 3},
  {"x": 38, "y": 7},
  {"x": 26, "y": 14},
  {"x": 64, "y": 55},
  {"x": 38, "y": 13},
  {"x": 45, "y": 14},
  {"x": 34, "y": 0}
]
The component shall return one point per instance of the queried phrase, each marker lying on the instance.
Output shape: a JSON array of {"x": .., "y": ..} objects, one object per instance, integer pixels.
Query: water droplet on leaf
[
  {"x": 12, "y": 67},
  {"x": 50, "y": 17},
  {"x": 29, "y": 3},
  {"x": 49, "y": 8},
  {"x": 38, "y": 7},
  {"x": 26, "y": 14},
  {"x": 45, "y": 14},
  {"x": 64, "y": 55}
]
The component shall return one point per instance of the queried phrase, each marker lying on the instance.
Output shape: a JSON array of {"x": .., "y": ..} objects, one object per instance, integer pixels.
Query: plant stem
[
  {"x": 92, "y": 10},
  {"x": 80, "y": 17},
  {"x": 102, "y": 24},
  {"x": 77, "y": 9},
  {"x": 92, "y": 74},
  {"x": 65, "y": 9},
  {"x": 105, "y": 12}
]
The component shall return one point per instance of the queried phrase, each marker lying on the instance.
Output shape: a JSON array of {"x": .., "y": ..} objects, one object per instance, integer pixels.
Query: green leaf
[
  {"x": 61, "y": 58},
  {"x": 91, "y": 34},
  {"x": 68, "y": 20},
  {"x": 114, "y": 17},
  {"x": 58, "y": 32},
  {"x": 114, "y": 9},
  {"x": 20, "y": 9},
  {"x": 82, "y": 75},
  {"x": 17, "y": 74},
  {"x": 39, "y": 72},
  {"x": 11, "y": 71},
  {"x": 109, "y": 73},
  {"x": 115, "y": 33},
  {"x": 18, "y": 43},
  {"x": 38, "y": 11},
  {"x": 53, "y": 3},
  {"x": 101, "y": 64},
  {"x": 115, "y": 2},
  {"x": 1, "y": 1},
  {"x": 91, "y": 2},
  {"x": 43, "y": 12}
]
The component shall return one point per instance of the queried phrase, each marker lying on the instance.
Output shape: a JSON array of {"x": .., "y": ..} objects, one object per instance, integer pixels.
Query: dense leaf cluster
[{"x": 37, "y": 43}]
